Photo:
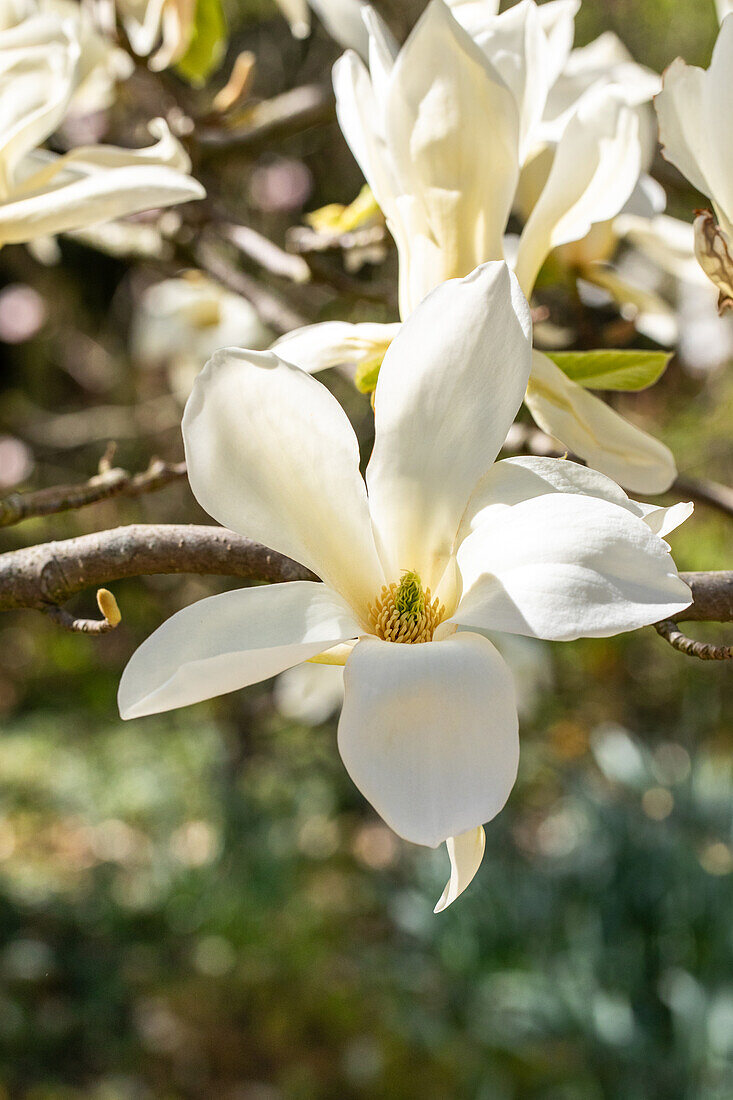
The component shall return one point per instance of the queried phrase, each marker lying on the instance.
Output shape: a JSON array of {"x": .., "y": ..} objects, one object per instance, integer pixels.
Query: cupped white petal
[
  {"x": 343, "y": 19},
  {"x": 465, "y": 853},
  {"x": 595, "y": 432},
  {"x": 449, "y": 388},
  {"x": 360, "y": 118},
  {"x": 317, "y": 347},
  {"x": 89, "y": 200},
  {"x": 694, "y": 109},
  {"x": 596, "y": 165},
  {"x": 682, "y": 134},
  {"x": 271, "y": 454},
  {"x": 231, "y": 640},
  {"x": 452, "y": 129},
  {"x": 564, "y": 566},
  {"x": 38, "y": 60},
  {"x": 663, "y": 520},
  {"x": 514, "y": 480},
  {"x": 516, "y": 44},
  {"x": 429, "y": 733}
]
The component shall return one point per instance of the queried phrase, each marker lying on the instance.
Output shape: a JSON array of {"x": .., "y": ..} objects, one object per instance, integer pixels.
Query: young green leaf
[
  {"x": 611, "y": 368},
  {"x": 207, "y": 45}
]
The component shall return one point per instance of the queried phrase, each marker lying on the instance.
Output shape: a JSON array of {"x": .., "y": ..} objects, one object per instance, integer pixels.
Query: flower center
[{"x": 405, "y": 612}]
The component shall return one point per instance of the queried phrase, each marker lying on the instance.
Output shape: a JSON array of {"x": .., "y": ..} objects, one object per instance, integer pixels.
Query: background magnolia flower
[
  {"x": 43, "y": 193},
  {"x": 417, "y": 124},
  {"x": 100, "y": 63},
  {"x": 160, "y": 30},
  {"x": 343, "y": 19},
  {"x": 694, "y": 118},
  {"x": 309, "y": 693},
  {"x": 180, "y": 323},
  {"x": 439, "y": 547}
]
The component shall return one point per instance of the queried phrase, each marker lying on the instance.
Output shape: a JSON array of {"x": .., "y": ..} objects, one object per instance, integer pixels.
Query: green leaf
[
  {"x": 367, "y": 373},
  {"x": 207, "y": 45},
  {"x": 611, "y": 369}
]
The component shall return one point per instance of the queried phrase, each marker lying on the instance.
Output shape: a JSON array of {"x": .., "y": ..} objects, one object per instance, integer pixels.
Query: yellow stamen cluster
[{"x": 405, "y": 613}]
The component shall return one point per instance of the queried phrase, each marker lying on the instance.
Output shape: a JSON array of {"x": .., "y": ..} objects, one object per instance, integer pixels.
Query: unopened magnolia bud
[
  {"x": 107, "y": 604},
  {"x": 712, "y": 251}
]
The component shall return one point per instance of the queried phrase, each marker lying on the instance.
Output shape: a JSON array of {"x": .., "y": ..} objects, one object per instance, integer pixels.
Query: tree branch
[
  {"x": 270, "y": 120},
  {"x": 43, "y": 577},
  {"x": 50, "y": 573},
  {"x": 109, "y": 483}
]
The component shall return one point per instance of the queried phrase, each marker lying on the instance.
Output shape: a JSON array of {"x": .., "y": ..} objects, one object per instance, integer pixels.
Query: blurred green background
[{"x": 201, "y": 905}]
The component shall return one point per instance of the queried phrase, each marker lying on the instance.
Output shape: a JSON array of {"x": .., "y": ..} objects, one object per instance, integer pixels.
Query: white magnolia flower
[
  {"x": 417, "y": 124},
  {"x": 100, "y": 64},
  {"x": 42, "y": 193},
  {"x": 180, "y": 323},
  {"x": 694, "y": 120},
  {"x": 437, "y": 547},
  {"x": 343, "y": 19}
]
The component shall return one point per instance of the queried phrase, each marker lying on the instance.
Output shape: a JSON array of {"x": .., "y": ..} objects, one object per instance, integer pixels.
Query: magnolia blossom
[
  {"x": 694, "y": 118},
  {"x": 100, "y": 64},
  {"x": 179, "y": 323},
  {"x": 343, "y": 19},
  {"x": 438, "y": 547},
  {"x": 42, "y": 193},
  {"x": 417, "y": 124}
]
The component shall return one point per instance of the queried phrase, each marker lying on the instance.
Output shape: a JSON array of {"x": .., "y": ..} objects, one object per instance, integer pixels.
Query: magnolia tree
[{"x": 514, "y": 176}]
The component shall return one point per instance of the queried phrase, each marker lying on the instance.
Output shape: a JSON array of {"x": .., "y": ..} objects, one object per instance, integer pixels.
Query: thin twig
[
  {"x": 706, "y": 492},
  {"x": 679, "y": 641},
  {"x": 110, "y": 483},
  {"x": 273, "y": 311},
  {"x": 64, "y": 619},
  {"x": 266, "y": 253},
  {"x": 272, "y": 119}
]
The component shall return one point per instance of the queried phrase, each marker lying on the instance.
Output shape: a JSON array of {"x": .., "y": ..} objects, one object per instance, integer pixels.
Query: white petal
[
  {"x": 451, "y": 126},
  {"x": 315, "y": 348},
  {"x": 428, "y": 733},
  {"x": 694, "y": 109},
  {"x": 107, "y": 194},
  {"x": 38, "y": 58},
  {"x": 597, "y": 163},
  {"x": 344, "y": 22},
  {"x": 229, "y": 641},
  {"x": 465, "y": 852},
  {"x": 679, "y": 108},
  {"x": 558, "y": 22},
  {"x": 513, "y": 480},
  {"x": 595, "y": 432},
  {"x": 516, "y": 44},
  {"x": 564, "y": 566},
  {"x": 360, "y": 119},
  {"x": 449, "y": 387},
  {"x": 271, "y": 454},
  {"x": 663, "y": 520}
]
